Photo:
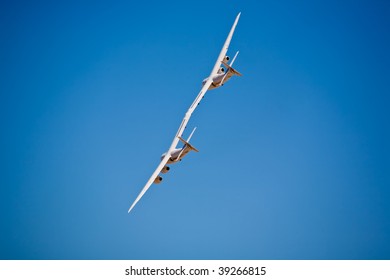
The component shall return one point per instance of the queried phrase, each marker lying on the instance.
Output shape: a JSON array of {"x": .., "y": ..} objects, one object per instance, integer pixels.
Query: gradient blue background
[{"x": 294, "y": 156}]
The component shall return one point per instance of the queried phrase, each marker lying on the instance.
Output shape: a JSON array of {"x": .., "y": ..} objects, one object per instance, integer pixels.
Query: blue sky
[{"x": 294, "y": 155}]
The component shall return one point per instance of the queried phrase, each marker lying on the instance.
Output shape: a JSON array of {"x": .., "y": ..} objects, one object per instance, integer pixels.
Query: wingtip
[
  {"x": 238, "y": 16},
  {"x": 131, "y": 208}
]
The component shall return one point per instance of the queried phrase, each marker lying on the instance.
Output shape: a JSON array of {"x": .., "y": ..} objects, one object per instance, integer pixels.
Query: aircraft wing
[
  {"x": 192, "y": 108},
  {"x": 225, "y": 47},
  {"x": 151, "y": 180},
  {"x": 206, "y": 86}
]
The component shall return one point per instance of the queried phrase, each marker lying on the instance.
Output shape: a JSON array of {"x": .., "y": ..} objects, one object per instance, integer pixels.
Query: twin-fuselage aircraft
[{"x": 221, "y": 73}]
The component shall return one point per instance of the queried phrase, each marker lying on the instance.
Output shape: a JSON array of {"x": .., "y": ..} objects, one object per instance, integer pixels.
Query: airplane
[{"x": 217, "y": 78}]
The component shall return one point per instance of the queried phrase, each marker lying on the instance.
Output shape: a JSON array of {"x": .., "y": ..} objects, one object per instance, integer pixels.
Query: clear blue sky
[{"x": 294, "y": 156}]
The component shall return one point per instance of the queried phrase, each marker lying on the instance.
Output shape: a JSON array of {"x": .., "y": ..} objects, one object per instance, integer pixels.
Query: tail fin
[
  {"x": 234, "y": 58},
  {"x": 230, "y": 68},
  {"x": 186, "y": 142},
  {"x": 192, "y": 133}
]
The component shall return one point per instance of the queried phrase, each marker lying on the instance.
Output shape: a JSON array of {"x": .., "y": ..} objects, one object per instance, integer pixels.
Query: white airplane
[{"x": 218, "y": 77}]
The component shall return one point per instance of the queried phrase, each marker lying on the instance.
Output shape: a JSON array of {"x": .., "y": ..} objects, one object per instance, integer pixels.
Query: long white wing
[
  {"x": 188, "y": 114},
  {"x": 151, "y": 180},
  {"x": 209, "y": 81},
  {"x": 225, "y": 47}
]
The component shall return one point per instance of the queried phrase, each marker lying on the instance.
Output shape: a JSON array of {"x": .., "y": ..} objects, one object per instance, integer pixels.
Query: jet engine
[
  {"x": 158, "y": 180},
  {"x": 165, "y": 169},
  {"x": 226, "y": 59},
  {"x": 221, "y": 70}
]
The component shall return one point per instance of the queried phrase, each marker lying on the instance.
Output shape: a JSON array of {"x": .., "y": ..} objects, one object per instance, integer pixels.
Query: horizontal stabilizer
[
  {"x": 188, "y": 144},
  {"x": 234, "y": 71}
]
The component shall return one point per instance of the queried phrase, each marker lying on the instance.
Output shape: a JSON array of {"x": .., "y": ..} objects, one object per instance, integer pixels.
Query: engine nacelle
[
  {"x": 165, "y": 169},
  {"x": 158, "y": 180},
  {"x": 226, "y": 59},
  {"x": 221, "y": 70}
]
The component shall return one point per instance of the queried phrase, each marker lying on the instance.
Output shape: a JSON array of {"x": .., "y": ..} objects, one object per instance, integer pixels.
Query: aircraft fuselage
[
  {"x": 219, "y": 79},
  {"x": 182, "y": 152}
]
